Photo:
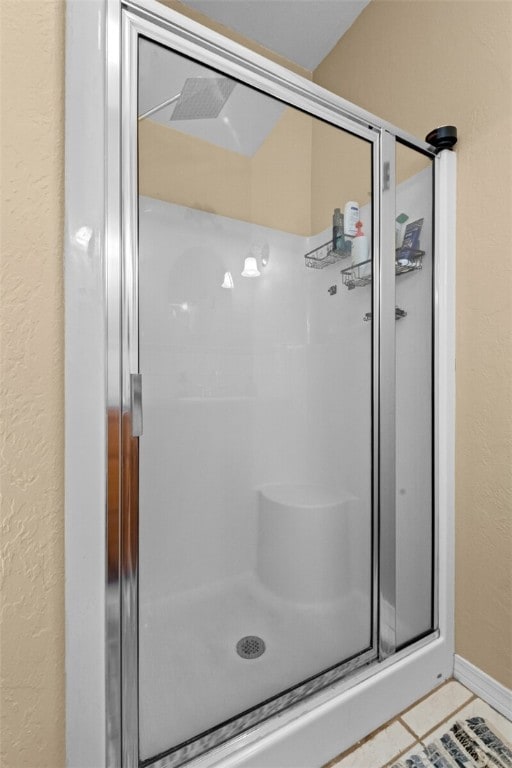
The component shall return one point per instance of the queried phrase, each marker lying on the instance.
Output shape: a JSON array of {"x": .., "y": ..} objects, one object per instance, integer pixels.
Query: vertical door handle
[
  {"x": 136, "y": 403},
  {"x": 386, "y": 177}
]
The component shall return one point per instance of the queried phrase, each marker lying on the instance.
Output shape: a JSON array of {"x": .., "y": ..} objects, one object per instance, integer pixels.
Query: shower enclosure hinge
[
  {"x": 136, "y": 403},
  {"x": 399, "y": 313}
]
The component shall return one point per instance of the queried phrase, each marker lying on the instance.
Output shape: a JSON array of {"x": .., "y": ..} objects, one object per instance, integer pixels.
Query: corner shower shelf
[
  {"x": 355, "y": 277},
  {"x": 325, "y": 254}
]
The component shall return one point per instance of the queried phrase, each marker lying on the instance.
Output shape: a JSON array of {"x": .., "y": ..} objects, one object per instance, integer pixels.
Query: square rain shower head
[{"x": 202, "y": 98}]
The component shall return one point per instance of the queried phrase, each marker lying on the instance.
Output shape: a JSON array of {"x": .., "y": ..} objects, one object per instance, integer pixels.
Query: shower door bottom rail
[{"x": 246, "y": 726}]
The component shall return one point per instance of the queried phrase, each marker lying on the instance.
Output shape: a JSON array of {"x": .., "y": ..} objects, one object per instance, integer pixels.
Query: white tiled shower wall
[
  {"x": 269, "y": 383},
  {"x": 245, "y": 388}
]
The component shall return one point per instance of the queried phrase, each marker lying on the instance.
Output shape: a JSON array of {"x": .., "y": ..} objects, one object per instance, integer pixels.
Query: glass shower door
[
  {"x": 256, "y": 520},
  {"x": 415, "y": 386}
]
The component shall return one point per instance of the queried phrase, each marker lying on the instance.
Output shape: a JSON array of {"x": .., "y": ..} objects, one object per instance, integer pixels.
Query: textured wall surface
[
  {"x": 31, "y": 384},
  {"x": 421, "y": 64}
]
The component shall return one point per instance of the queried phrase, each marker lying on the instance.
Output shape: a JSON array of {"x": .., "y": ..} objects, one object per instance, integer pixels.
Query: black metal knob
[{"x": 444, "y": 137}]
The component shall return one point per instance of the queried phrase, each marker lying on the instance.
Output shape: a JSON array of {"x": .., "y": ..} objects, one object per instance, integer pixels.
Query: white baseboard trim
[{"x": 487, "y": 688}]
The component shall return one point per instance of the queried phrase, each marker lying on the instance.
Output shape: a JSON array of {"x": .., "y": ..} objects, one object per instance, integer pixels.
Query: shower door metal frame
[{"x": 126, "y": 21}]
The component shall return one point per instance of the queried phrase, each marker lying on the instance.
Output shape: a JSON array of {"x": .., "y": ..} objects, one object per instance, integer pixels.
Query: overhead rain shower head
[
  {"x": 240, "y": 122},
  {"x": 202, "y": 98}
]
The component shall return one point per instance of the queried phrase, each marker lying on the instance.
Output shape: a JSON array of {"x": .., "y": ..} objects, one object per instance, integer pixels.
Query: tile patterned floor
[{"x": 418, "y": 725}]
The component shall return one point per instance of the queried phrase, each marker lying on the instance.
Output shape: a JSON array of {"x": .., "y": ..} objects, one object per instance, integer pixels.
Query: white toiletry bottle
[
  {"x": 360, "y": 251},
  {"x": 351, "y": 217}
]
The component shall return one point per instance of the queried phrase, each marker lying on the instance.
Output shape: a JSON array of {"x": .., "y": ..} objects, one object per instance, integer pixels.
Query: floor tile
[
  {"x": 379, "y": 750},
  {"x": 476, "y": 708},
  {"x": 436, "y": 708},
  {"x": 414, "y": 750}
]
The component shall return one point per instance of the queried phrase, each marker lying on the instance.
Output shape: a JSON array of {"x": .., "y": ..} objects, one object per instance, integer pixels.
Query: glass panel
[
  {"x": 414, "y": 393},
  {"x": 256, "y": 458}
]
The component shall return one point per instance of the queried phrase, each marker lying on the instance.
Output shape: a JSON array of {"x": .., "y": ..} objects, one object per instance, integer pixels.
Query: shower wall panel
[
  {"x": 275, "y": 356},
  {"x": 221, "y": 366},
  {"x": 414, "y": 418},
  {"x": 260, "y": 385}
]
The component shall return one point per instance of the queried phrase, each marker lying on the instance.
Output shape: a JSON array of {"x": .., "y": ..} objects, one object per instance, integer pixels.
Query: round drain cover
[{"x": 250, "y": 647}]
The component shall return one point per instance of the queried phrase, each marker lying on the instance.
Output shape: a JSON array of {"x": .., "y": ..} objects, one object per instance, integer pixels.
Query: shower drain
[{"x": 250, "y": 647}]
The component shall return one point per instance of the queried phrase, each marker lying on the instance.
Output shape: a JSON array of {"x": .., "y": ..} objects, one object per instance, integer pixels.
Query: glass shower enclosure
[
  {"x": 275, "y": 530},
  {"x": 255, "y": 462}
]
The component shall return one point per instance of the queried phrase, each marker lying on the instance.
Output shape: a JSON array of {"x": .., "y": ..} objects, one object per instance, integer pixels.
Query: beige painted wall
[
  {"x": 187, "y": 171},
  {"x": 341, "y": 171},
  {"x": 31, "y": 384},
  {"x": 421, "y": 64},
  {"x": 271, "y": 188},
  {"x": 281, "y": 176}
]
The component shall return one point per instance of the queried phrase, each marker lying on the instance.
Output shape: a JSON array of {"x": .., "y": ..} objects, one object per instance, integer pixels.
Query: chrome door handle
[{"x": 136, "y": 403}]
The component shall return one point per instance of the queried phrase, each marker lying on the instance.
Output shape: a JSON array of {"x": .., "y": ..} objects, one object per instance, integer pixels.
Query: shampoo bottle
[
  {"x": 360, "y": 251},
  {"x": 351, "y": 218}
]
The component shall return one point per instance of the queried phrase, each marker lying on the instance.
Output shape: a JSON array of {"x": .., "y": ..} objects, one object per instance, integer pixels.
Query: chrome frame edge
[
  {"x": 437, "y": 194},
  {"x": 129, "y": 367},
  {"x": 113, "y": 366},
  {"x": 387, "y": 393},
  {"x": 376, "y": 298},
  {"x": 445, "y": 253}
]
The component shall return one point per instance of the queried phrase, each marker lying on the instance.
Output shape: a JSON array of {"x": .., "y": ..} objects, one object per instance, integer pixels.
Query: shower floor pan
[{"x": 191, "y": 677}]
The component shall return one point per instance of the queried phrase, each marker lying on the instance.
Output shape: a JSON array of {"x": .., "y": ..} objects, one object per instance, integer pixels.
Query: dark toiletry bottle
[
  {"x": 411, "y": 243},
  {"x": 338, "y": 238}
]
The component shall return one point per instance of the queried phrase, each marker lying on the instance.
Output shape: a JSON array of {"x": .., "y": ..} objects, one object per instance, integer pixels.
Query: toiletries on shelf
[
  {"x": 360, "y": 251},
  {"x": 341, "y": 246},
  {"x": 399, "y": 228},
  {"x": 410, "y": 244},
  {"x": 351, "y": 217},
  {"x": 338, "y": 238}
]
